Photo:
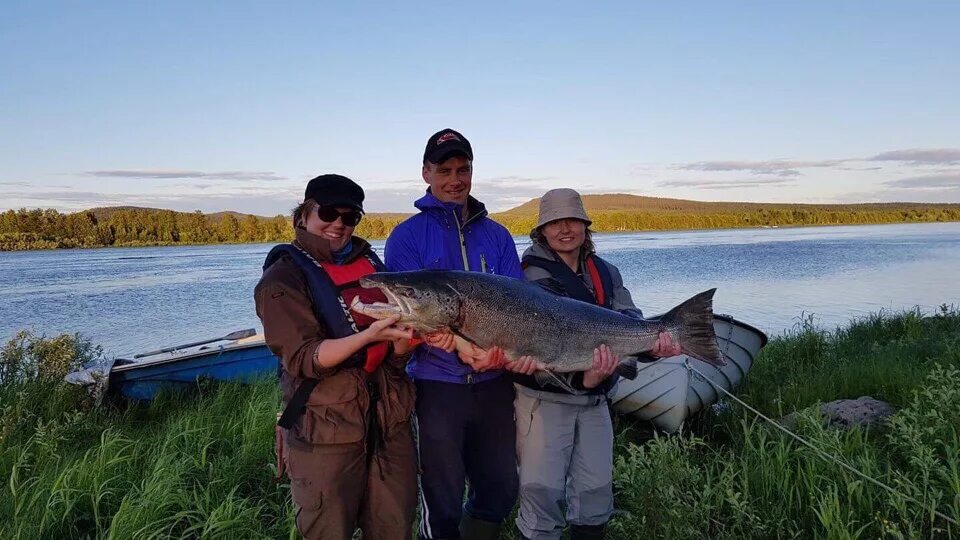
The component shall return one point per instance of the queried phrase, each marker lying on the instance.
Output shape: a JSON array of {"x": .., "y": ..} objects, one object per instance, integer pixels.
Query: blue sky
[{"x": 193, "y": 105}]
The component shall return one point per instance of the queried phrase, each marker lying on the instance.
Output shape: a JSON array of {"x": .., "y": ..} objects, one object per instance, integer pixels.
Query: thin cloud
[
  {"x": 921, "y": 156},
  {"x": 516, "y": 180},
  {"x": 67, "y": 196},
  {"x": 775, "y": 167},
  {"x": 167, "y": 174},
  {"x": 729, "y": 184},
  {"x": 929, "y": 182},
  {"x": 15, "y": 184}
]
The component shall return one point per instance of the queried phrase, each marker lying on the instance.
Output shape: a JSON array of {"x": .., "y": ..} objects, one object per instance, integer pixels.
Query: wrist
[{"x": 366, "y": 336}]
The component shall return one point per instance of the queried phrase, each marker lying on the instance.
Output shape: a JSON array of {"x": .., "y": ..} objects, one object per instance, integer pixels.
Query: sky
[{"x": 234, "y": 106}]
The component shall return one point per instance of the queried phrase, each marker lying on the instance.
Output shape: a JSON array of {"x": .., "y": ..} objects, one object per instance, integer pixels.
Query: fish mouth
[{"x": 395, "y": 304}]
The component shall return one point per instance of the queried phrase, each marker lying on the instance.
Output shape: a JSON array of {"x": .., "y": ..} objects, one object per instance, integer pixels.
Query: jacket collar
[
  {"x": 475, "y": 208},
  {"x": 539, "y": 250},
  {"x": 319, "y": 248},
  {"x": 543, "y": 251}
]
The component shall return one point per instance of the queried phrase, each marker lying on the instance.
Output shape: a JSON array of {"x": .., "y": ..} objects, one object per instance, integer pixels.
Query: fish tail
[{"x": 694, "y": 318}]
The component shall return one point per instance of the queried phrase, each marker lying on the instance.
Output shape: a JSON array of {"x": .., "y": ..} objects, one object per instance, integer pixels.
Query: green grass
[{"x": 201, "y": 465}]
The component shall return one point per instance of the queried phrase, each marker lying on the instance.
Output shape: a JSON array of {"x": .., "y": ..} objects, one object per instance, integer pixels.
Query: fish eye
[{"x": 406, "y": 291}]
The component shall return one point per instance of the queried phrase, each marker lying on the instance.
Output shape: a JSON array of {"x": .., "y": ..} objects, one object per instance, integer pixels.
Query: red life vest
[
  {"x": 346, "y": 278},
  {"x": 599, "y": 291},
  {"x": 332, "y": 288}
]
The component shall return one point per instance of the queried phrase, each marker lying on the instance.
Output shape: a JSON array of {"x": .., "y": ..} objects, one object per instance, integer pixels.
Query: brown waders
[{"x": 368, "y": 483}]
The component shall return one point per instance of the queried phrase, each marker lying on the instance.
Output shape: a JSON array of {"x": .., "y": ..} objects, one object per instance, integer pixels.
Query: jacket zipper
[
  {"x": 463, "y": 242},
  {"x": 483, "y": 263}
]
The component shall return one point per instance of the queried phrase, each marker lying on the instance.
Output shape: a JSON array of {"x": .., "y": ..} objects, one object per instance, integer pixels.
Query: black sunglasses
[{"x": 329, "y": 214}]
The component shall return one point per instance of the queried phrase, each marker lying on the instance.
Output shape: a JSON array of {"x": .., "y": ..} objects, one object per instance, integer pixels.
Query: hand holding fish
[
  {"x": 481, "y": 359},
  {"x": 665, "y": 347},
  {"x": 525, "y": 365},
  {"x": 384, "y": 330},
  {"x": 404, "y": 345},
  {"x": 441, "y": 339},
  {"x": 604, "y": 364}
]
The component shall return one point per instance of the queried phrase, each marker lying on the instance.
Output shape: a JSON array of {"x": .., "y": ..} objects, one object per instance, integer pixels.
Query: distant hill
[
  {"x": 623, "y": 202},
  {"x": 616, "y": 212},
  {"x": 606, "y": 202},
  {"x": 620, "y": 212},
  {"x": 104, "y": 213}
]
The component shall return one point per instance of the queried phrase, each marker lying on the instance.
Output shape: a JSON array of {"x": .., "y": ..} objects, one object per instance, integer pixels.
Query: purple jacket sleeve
[{"x": 400, "y": 253}]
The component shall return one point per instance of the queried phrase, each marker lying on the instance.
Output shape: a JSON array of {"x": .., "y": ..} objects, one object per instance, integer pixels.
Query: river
[{"x": 132, "y": 299}]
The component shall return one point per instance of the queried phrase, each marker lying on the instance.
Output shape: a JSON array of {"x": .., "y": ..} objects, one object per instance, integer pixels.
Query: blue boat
[{"x": 239, "y": 357}]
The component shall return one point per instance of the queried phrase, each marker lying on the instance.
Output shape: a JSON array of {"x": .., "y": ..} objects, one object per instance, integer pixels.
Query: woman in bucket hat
[
  {"x": 564, "y": 440},
  {"x": 345, "y": 435}
]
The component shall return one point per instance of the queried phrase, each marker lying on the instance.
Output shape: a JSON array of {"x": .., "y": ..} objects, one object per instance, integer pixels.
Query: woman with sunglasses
[{"x": 344, "y": 436}]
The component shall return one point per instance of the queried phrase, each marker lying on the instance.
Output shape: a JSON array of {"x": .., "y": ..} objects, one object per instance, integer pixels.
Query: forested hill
[
  {"x": 622, "y": 202},
  {"x": 134, "y": 226},
  {"x": 622, "y": 212}
]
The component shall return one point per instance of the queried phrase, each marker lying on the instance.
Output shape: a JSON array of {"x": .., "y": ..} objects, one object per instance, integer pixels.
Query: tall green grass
[
  {"x": 201, "y": 465},
  {"x": 197, "y": 465}
]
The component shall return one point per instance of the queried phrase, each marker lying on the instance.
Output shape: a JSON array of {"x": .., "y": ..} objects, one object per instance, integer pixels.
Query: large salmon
[{"x": 525, "y": 320}]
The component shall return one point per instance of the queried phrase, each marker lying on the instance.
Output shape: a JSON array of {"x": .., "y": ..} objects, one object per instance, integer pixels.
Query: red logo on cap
[{"x": 448, "y": 136}]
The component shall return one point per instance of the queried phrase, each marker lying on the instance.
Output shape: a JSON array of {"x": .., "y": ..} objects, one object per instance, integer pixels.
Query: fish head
[{"x": 422, "y": 299}]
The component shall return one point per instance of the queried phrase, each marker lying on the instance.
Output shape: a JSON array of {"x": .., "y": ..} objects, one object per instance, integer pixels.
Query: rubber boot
[
  {"x": 587, "y": 532},
  {"x": 472, "y": 528}
]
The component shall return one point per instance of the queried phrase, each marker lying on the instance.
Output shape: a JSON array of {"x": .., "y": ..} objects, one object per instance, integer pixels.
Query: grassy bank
[{"x": 201, "y": 466}]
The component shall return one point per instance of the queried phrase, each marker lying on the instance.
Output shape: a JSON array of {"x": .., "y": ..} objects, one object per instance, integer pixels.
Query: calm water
[{"x": 131, "y": 299}]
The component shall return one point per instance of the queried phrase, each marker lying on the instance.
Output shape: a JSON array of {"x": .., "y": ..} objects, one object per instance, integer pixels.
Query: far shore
[{"x": 516, "y": 235}]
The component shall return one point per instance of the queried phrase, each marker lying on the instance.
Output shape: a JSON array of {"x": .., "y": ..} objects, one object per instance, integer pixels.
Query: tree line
[
  {"x": 49, "y": 229},
  {"x": 637, "y": 220}
]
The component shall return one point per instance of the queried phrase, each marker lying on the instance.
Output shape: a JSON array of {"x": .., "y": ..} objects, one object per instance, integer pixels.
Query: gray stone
[{"x": 864, "y": 412}]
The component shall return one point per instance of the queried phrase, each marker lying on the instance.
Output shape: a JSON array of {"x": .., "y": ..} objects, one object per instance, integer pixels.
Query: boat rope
[{"x": 813, "y": 447}]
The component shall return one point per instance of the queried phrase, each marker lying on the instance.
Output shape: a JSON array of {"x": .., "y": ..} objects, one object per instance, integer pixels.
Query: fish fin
[
  {"x": 694, "y": 318},
  {"x": 627, "y": 369},
  {"x": 548, "y": 378}
]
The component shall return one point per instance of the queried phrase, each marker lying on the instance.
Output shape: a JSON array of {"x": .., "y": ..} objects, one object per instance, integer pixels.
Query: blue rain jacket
[{"x": 439, "y": 239}]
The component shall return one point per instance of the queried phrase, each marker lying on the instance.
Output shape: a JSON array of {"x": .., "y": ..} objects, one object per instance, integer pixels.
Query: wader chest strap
[{"x": 297, "y": 404}]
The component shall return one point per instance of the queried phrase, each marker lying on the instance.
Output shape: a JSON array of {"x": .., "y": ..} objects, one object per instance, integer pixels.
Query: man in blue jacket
[{"x": 464, "y": 412}]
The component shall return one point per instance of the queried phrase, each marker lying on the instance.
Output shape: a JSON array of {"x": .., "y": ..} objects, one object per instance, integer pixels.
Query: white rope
[{"x": 810, "y": 445}]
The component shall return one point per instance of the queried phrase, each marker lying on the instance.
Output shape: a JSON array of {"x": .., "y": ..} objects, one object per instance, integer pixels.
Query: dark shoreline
[{"x": 521, "y": 234}]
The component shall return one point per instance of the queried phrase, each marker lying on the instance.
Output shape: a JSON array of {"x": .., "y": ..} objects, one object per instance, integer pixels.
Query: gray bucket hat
[{"x": 561, "y": 203}]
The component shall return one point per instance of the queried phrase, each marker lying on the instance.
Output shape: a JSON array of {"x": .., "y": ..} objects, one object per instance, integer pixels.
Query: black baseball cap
[
  {"x": 445, "y": 144},
  {"x": 335, "y": 190}
]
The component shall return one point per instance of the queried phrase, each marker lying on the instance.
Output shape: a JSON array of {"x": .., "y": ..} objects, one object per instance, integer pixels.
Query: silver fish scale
[{"x": 562, "y": 332}]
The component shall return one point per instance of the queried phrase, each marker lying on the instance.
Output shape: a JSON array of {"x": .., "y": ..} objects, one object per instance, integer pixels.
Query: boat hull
[
  {"x": 665, "y": 392},
  {"x": 237, "y": 363}
]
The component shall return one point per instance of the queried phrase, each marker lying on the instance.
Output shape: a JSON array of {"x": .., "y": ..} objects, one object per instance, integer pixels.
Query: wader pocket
[
  {"x": 334, "y": 412},
  {"x": 305, "y": 489},
  {"x": 397, "y": 398}
]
